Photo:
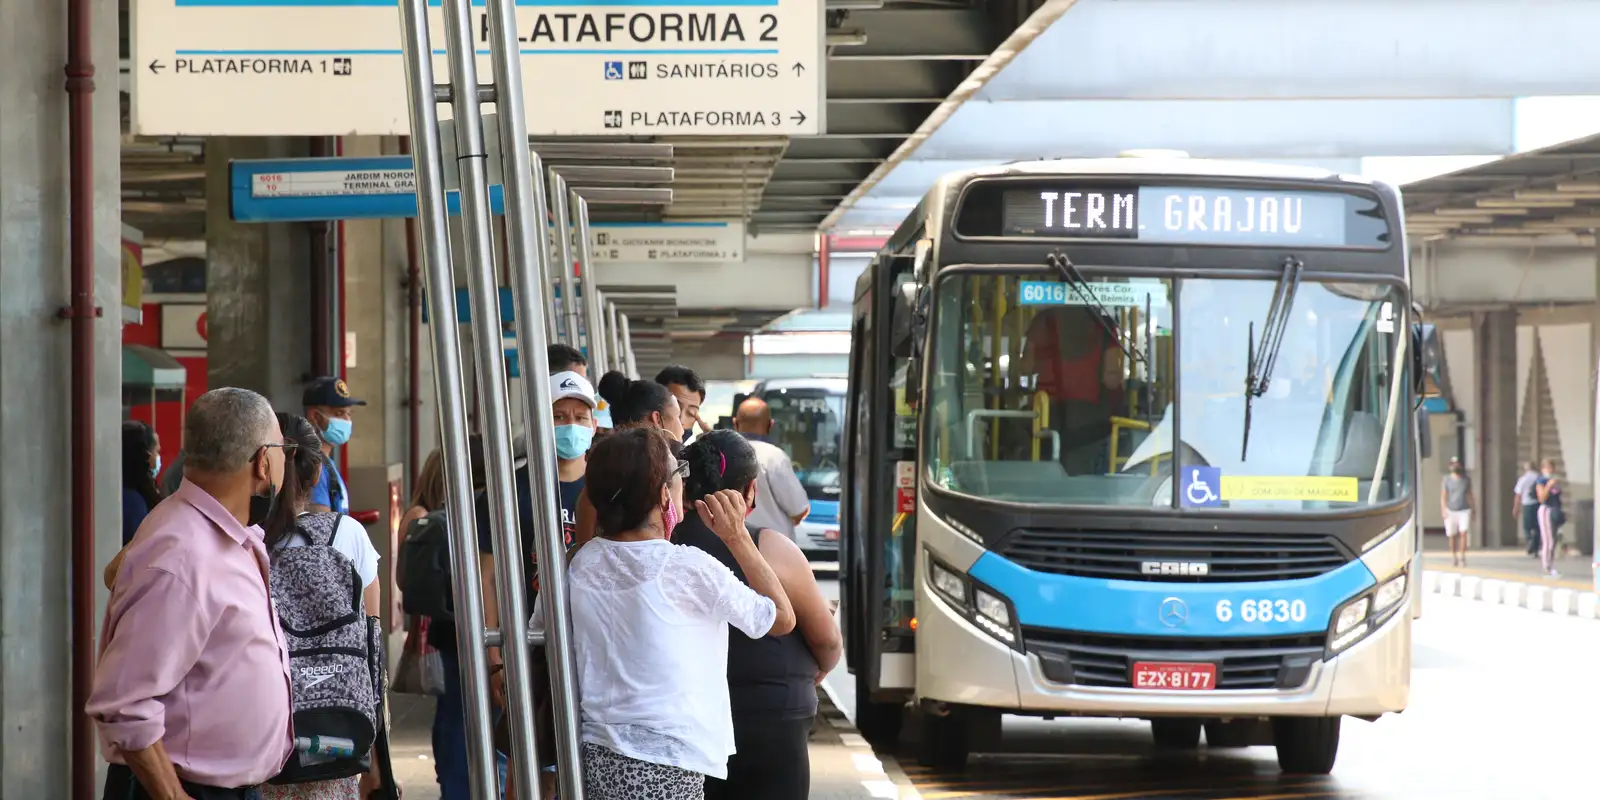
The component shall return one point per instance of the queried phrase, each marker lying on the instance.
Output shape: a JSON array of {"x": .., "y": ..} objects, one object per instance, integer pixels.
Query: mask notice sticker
[
  {"x": 1386, "y": 318},
  {"x": 905, "y": 487}
]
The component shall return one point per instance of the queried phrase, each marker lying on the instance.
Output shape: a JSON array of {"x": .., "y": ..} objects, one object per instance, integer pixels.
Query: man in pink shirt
[{"x": 191, "y": 692}]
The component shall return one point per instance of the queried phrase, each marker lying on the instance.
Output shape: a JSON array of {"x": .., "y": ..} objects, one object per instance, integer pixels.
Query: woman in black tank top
[{"x": 772, "y": 681}]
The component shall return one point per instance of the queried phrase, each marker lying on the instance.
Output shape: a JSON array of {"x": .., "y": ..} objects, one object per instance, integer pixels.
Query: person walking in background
[
  {"x": 328, "y": 403},
  {"x": 1551, "y": 516},
  {"x": 191, "y": 692},
  {"x": 785, "y": 503},
  {"x": 1455, "y": 499},
  {"x": 1527, "y": 507},
  {"x": 141, "y": 463},
  {"x": 772, "y": 681}
]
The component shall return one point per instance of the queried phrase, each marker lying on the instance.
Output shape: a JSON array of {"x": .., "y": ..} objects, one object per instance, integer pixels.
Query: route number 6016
[{"x": 1263, "y": 611}]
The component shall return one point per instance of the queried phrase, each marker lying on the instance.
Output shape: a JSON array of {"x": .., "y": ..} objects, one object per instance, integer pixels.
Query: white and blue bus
[
  {"x": 1135, "y": 438},
  {"x": 808, "y": 423}
]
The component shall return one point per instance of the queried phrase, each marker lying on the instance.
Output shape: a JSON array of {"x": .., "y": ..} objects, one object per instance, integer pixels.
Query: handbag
[{"x": 421, "y": 669}]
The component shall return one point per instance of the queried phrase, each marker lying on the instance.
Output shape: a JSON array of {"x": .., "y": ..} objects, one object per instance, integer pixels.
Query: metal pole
[
  {"x": 591, "y": 289},
  {"x": 563, "y": 234},
  {"x": 472, "y": 159},
  {"x": 632, "y": 369},
  {"x": 435, "y": 243},
  {"x": 614, "y": 338},
  {"x": 526, "y": 231},
  {"x": 541, "y": 213}
]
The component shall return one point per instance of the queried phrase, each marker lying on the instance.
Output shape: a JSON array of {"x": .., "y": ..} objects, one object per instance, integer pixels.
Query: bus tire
[
  {"x": 1306, "y": 745},
  {"x": 945, "y": 740},
  {"x": 879, "y": 723},
  {"x": 1173, "y": 733}
]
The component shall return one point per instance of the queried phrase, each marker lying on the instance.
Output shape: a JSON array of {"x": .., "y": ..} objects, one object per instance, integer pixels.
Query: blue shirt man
[{"x": 328, "y": 403}]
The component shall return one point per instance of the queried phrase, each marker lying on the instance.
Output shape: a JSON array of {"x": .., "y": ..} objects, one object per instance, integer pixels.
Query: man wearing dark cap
[{"x": 328, "y": 403}]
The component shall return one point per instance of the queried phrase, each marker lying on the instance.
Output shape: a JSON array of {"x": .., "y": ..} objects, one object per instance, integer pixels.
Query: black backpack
[
  {"x": 423, "y": 569},
  {"x": 335, "y": 655}
]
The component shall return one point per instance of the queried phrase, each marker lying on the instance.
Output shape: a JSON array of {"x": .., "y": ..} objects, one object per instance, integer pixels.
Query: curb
[
  {"x": 1531, "y": 596},
  {"x": 881, "y": 775}
]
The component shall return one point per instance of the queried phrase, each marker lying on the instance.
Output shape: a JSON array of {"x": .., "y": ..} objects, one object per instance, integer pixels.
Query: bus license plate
[{"x": 1157, "y": 675}]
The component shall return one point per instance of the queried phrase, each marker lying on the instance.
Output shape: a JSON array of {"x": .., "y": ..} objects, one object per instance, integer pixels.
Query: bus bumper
[{"x": 959, "y": 663}]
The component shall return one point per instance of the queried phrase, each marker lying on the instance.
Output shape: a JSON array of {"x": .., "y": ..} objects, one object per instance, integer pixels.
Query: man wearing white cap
[{"x": 572, "y": 405}]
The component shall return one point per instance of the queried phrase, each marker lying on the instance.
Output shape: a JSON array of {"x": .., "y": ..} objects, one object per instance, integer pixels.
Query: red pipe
[
  {"x": 824, "y": 245},
  {"x": 414, "y": 334},
  {"x": 81, "y": 314}
]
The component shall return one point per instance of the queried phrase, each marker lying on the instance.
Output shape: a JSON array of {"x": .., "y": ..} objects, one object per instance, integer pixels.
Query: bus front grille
[
  {"x": 1174, "y": 557},
  {"x": 1085, "y": 659}
]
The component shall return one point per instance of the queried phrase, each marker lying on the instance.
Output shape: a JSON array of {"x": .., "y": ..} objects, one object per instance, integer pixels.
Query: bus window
[{"x": 1043, "y": 394}]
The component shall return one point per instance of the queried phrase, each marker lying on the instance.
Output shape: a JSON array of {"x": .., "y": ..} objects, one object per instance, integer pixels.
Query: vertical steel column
[
  {"x": 472, "y": 160},
  {"x": 613, "y": 338},
  {"x": 435, "y": 244},
  {"x": 526, "y": 229},
  {"x": 563, "y": 234},
  {"x": 541, "y": 213},
  {"x": 593, "y": 323},
  {"x": 630, "y": 368}
]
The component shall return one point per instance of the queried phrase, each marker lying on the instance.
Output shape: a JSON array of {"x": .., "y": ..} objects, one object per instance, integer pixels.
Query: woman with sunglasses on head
[
  {"x": 772, "y": 680},
  {"x": 650, "y": 621}
]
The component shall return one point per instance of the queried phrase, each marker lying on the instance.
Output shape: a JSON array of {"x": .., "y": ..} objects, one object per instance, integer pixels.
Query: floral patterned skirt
[{"x": 340, "y": 789}]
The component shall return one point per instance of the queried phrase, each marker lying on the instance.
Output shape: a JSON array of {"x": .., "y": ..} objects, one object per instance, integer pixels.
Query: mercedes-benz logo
[{"x": 1174, "y": 612}]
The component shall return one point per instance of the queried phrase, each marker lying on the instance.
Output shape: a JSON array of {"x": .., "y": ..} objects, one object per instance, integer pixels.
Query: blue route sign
[{"x": 318, "y": 189}]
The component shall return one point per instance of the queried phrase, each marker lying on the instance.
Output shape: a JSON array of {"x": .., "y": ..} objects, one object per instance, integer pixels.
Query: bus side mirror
[
  {"x": 902, "y": 328},
  {"x": 738, "y": 400},
  {"x": 1425, "y": 357}
]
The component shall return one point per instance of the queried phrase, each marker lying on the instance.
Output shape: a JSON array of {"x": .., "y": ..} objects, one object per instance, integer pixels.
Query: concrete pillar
[
  {"x": 258, "y": 299},
  {"x": 375, "y": 322},
  {"x": 35, "y": 516},
  {"x": 1496, "y": 344}
]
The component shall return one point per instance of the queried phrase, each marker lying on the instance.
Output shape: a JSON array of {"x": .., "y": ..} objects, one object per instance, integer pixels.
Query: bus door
[{"x": 877, "y": 560}]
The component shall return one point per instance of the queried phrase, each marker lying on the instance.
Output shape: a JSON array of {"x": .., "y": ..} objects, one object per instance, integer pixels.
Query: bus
[
  {"x": 808, "y": 423},
  {"x": 1135, "y": 438}
]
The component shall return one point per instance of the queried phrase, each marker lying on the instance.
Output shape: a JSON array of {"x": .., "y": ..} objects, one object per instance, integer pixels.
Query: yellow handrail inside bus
[
  {"x": 1041, "y": 420},
  {"x": 1117, "y": 424}
]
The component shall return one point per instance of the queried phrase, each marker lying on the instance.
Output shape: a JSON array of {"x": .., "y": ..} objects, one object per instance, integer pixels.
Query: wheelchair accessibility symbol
[
  {"x": 1202, "y": 487},
  {"x": 613, "y": 70}
]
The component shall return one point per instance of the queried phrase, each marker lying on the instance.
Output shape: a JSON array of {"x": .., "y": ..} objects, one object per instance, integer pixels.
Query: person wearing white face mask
[{"x": 328, "y": 403}]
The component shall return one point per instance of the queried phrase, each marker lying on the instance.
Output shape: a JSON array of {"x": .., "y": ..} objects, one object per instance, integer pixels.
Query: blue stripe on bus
[
  {"x": 1098, "y": 605},
  {"x": 824, "y": 512}
]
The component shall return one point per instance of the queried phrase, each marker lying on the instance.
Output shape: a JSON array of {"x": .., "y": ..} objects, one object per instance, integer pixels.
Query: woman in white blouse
[{"x": 649, "y": 625}]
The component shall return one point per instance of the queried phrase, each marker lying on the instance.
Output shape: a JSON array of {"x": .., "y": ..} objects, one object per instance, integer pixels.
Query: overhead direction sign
[
  {"x": 620, "y": 67},
  {"x": 706, "y": 242},
  {"x": 313, "y": 189}
]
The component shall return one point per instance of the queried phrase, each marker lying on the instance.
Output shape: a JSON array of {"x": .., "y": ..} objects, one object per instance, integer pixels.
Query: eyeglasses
[
  {"x": 288, "y": 448},
  {"x": 679, "y": 471}
]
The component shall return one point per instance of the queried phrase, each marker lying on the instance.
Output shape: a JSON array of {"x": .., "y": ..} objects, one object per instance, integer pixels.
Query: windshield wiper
[
  {"x": 1069, "y": 271},
  {"x": 1263, "y": 356}
]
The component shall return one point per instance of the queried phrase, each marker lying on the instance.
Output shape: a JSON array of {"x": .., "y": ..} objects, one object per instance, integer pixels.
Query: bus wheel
[
  {"x": 945, "y": 739},
  {"x": 1176, "y": 734},
  {"x": 1306, "y": 745},
  {"x": 879, "y": 723}
]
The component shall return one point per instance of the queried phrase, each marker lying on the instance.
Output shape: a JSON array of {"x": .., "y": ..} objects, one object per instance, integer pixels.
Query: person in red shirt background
[{"x": 1080, "y": 367}]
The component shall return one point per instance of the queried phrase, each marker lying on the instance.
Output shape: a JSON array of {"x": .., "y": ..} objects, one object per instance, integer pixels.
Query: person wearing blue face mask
[
  {"x": 328, "y": 403},
  {"x": 572, "y": 406}
]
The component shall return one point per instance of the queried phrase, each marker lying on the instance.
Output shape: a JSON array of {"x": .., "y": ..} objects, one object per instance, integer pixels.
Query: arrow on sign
[
  {"x": 799, "y": 118},
  {"x": 798, "y": 68},
  {"x": 155, "y": 66}
]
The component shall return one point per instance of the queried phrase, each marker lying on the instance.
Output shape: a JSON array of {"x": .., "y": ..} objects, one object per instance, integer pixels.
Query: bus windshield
[
  {"x": 808, "y": 424},
  {"x": 1041, "y": 395}
]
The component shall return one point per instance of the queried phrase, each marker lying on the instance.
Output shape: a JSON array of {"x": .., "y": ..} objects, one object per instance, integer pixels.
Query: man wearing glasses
[{"x": 191, "y": 692}]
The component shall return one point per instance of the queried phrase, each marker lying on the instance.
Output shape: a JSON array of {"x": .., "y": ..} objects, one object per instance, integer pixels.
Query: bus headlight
[
  {"x": 949, "y": 584},
  {"x": 979, "y": 605},
  {"x": 1362, "y": 615}
]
